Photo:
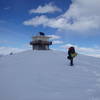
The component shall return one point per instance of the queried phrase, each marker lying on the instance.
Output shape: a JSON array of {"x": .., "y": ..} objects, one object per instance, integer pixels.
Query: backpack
[{"x": 72, "y": 52}]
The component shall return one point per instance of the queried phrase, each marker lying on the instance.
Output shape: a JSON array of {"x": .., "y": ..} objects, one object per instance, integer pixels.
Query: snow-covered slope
[{"x": 46, "y": 75}]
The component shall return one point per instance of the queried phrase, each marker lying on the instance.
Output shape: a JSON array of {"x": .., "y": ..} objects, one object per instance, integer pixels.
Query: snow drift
[{"x": 46, "y": 75}]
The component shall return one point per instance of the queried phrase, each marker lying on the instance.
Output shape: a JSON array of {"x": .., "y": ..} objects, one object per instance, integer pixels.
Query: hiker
[{"x": 71, "y": 55}]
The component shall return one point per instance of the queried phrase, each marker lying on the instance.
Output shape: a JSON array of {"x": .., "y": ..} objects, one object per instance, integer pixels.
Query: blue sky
[{"x": 69, "y": 22}]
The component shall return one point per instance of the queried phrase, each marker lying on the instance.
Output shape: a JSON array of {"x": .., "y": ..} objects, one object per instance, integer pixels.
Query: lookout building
[{"x": 40, "y": 42}]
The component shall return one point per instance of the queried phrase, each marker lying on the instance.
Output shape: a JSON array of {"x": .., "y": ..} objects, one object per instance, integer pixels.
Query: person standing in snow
[{"x": 71, "y": 55}]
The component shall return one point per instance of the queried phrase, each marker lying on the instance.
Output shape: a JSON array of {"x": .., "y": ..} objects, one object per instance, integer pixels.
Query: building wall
[
  {"x": 40, "y": 43},
  {"x": 40, "y": 47}
]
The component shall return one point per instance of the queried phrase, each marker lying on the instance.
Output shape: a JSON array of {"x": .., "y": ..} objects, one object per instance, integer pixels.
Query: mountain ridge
[{"x": 46, "y": 75}]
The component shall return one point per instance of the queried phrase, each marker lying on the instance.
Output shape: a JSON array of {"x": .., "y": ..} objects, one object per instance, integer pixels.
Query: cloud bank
[
  {"x": 81, "y": 15},
  {"x": 83, "y": 50},
  {"x": 8, "y": 50}
]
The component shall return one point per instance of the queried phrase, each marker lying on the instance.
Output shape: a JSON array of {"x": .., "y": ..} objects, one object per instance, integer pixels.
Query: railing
[{"x": 39, "y": 42}]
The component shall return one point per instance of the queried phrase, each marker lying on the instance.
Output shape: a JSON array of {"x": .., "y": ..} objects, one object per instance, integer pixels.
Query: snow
[{"x": 46, "y": 75}]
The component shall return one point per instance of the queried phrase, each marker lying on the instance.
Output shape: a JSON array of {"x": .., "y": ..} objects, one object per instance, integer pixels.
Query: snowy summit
[{"x": 46, "y": 75}]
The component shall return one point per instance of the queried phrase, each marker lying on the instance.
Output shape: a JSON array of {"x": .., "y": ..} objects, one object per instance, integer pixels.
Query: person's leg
[{"x": 71, "y": 62}]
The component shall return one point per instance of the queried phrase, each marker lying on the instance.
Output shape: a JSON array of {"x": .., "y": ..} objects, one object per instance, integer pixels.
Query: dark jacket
[{"x": 71, "y": 51}]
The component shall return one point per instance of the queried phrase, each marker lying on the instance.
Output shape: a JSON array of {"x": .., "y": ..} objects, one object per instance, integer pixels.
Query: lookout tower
[{"x": 40, "y": 42}]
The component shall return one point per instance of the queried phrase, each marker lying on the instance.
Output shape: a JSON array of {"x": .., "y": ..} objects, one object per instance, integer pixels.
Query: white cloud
[
  {"x": 45, "y": 21},
  {"x": 37, "y": 21},
  {"x": 47, "y": 8},
  {"x": 57, "y": 42},
  {"x": 8, "y": 50},
  {"x": 81, "y": 15},
  {"x": 84, "y": 50},
  {"x": 54, "y": 37},
  {"x": 84, "y": 13}
]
